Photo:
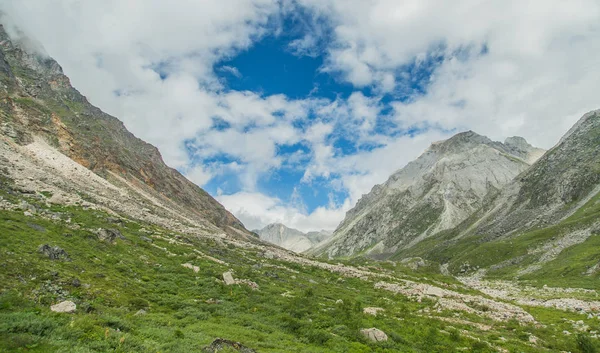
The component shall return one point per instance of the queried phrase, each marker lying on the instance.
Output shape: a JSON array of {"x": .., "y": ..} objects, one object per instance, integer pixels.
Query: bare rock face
[
  {"x": 64, "y": 307},
  {"x": 556, "y": 186},
  {"x": 436, "y": 192},
  {"x": 53, "y": 252},
  {"x": 374, "y": 334}
]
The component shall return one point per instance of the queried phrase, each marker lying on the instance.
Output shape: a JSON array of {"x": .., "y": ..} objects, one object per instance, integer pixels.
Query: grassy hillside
[
  {"x": 505, "y": 258},
  {"x": 296, "y": 308}
]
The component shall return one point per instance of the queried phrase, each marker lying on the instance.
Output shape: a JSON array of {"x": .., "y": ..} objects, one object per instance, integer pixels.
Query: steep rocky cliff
[
  {"x": 436, "y": 192},
  {"x": 38, "y": 106}
]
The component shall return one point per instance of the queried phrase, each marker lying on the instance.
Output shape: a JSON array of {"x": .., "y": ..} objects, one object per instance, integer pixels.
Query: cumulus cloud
[
  {"x": 501, "y": 68},
  {"x": 508, "y": 68},
  {"x": 256, "y": 210}
]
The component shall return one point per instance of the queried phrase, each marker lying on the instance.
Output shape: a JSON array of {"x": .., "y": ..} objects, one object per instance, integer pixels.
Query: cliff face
[
  {"x": 554, "y": 188},
  {"x": 37, "y": 101},
  {"x": 436, "y": 192}
]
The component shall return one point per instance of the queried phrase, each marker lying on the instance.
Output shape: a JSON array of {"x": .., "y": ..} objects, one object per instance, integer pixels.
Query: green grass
[{"x": 186, "y": 310}]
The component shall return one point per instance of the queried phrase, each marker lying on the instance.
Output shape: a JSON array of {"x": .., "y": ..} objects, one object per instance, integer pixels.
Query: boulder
[
  {"x": 228, "y": 278},
  {"x": 221, "y": 344},
  {"x": 374, "y": 334},
  {"x": 372, "y": 311},
  {"x": 53, "y": 252},
  {"x": 64, "y": 307},
  {"x": 109, "y": 235}
]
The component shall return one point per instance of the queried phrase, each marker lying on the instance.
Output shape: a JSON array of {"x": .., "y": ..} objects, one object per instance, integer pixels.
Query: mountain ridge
[
  {"x": 437, "y": 191},
  {"x": 37, "y": 99}
]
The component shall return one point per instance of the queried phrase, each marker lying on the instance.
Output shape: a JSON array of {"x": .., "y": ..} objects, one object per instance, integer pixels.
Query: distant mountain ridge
[
  {"x": 436, "y": 192},
  {"x": 291, "y": 239}
]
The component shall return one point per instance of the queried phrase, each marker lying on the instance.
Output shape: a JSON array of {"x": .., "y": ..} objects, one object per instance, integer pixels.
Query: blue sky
[{"x": 290, "y": 110}]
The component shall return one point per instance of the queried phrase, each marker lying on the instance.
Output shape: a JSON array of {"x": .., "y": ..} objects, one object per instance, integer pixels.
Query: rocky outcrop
[
  {"x": 436, "y": 192},
  {"x": 53, "y": 252},
  {"x": 64, "y": 307},
  {"x": 109, "y": 235},
  {"x": 374, "y": 334}
]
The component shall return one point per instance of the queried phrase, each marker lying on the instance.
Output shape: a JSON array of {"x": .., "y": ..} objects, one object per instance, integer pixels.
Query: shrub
[
  {"x": 585, "y": 344},
  {"x": 138, "y": 303}
]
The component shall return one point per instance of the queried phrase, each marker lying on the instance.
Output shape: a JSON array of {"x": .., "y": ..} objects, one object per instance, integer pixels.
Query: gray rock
[
  {"x": 109, "y": 235},
  {"x": 53, "y": 252},
  {"x": 221, "y": 344},
  {"x": 64, "y": 307},
  {"x": 228, "y": 278},
  {"x": 374, "y": 334}
]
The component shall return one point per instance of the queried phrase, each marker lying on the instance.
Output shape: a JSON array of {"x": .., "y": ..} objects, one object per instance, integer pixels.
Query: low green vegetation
[{"x": 134, "y": 295}]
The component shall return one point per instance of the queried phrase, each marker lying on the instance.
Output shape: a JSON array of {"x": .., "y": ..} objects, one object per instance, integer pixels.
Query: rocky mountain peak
[
  {"x": 435, "y": 192},
  {"x": 460, "y": 141}
]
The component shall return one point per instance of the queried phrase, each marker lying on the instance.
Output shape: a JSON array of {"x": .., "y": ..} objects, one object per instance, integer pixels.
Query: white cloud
[
  {"x": 122, "y": 46},
  {"x": 256, "y": 210},
  {"x": 232, "y": 70},
  {"x": 535, "y": 80},
  {"x": 537, "y": 76},
  {"x": 199, "y": 175}
]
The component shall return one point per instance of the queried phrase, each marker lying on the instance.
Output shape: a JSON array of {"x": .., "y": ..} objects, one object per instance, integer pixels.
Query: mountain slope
[
  {"x": 289, "y": 238},
  {"x": 436, "y": 192},
  {"x": 554, "y": 188},
  {"x": 39, "y": 107},
  {"x": 543, "y": 225}
]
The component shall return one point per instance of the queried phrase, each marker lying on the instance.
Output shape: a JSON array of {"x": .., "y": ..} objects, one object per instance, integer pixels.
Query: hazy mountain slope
[
  {"x": 289, "y": 238},
  {"x": 39, "y": 107},
  {"x": 437, "y": 191}
]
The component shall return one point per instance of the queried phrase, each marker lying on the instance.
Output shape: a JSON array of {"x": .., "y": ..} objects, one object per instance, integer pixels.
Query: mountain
[
  {"x": 436, "y": 192},
  {"x": 543, "y": 224},
  {"x": 566, "y": 178},
  {"x": 42, "y": 114},
  {"x": 291, "y": 239},
  {"x": 105, "y": 249}
]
